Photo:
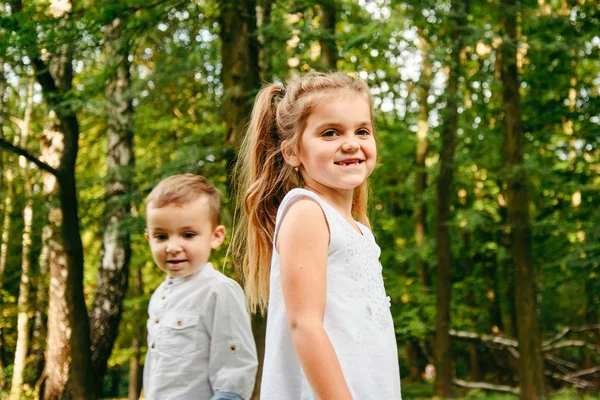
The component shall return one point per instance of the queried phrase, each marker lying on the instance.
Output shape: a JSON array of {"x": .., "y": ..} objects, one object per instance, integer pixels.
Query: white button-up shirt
[{"x": 199, "y": 339}]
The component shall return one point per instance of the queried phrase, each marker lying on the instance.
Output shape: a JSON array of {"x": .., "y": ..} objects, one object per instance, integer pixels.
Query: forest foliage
[{"x": 402, "y": 49}]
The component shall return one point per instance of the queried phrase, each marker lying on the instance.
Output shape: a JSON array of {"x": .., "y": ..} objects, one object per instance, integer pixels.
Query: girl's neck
[{"x": 341, "y": 201}]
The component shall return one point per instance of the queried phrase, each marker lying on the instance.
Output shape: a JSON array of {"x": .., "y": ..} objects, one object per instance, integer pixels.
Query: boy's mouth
[
  {"x": 175, "y": 262},
  {"x": 349, "y": 162}
]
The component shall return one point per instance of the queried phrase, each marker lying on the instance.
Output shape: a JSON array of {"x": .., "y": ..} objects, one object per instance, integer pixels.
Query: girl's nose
[{"x": 350, "y": 145}]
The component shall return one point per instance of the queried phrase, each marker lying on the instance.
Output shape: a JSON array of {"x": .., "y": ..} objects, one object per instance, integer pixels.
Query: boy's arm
[
  {"x": 303, "y": 243},
  {"x": 232, "y": 361}
]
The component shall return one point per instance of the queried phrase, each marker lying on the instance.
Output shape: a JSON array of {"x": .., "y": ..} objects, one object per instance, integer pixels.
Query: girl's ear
[{"x": 289, "y": 155}]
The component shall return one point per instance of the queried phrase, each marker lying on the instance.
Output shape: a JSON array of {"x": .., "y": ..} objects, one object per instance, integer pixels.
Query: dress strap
[{"x": 293, "y": 196}]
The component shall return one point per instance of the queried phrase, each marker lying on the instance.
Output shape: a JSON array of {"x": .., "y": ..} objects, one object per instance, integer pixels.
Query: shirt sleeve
[{"x": 233, "y": 362}]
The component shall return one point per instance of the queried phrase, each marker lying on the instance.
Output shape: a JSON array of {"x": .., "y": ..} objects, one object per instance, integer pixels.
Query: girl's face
[{"x": 337, "y": 148}]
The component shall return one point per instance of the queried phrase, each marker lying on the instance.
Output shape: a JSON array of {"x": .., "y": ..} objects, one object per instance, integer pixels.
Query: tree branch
[
  {"x": 587, "y": 371},
  {"x": 559, "y": 361},
  {"x": 487, "y": 386},
  {"x": 571, "y": 343},
  {"x": 578, "y": 383},
  {"x": 22, "y": 152},
  {"x": 568, "y": 329},
  {"x": 511, "y": 345}
]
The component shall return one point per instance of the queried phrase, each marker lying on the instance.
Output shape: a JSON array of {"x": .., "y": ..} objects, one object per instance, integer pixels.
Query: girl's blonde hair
[{"x": 264, "y": 177}]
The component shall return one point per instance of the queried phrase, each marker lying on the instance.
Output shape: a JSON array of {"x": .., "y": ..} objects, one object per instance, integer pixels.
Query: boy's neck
[{"x": 196, "y": 271}]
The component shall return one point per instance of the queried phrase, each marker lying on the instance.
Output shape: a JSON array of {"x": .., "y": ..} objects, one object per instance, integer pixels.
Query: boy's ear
[
  {"x": 290, "y": 156},
  {"x": 146, "y": 234},
  {"x": 218, "y": 236}
]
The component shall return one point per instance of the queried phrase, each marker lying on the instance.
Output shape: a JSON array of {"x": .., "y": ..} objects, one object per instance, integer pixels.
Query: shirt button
[
  {"x": 233, "y": 347},
  {"x": 178, "y": 323},
  {"x": 170, "y": 282},
  {"x": 156, "y": 320},
  {"x": 162, "y": 298},
  {"x": 152, "y": 345}
]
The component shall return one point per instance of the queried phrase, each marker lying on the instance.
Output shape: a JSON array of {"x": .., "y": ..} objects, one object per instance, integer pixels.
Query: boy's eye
[
  {"x": 363, "y": 132},
  {"x": 160, "y": 236},
  {"x": 189, "y": 235},
  {"x": 329, "y": 133}
]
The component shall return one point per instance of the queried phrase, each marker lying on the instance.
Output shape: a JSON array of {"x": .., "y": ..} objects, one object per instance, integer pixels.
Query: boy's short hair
[{"x": 185, "y": 188}]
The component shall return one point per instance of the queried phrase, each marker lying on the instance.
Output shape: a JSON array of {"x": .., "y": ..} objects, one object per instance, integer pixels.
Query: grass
[{"x": 420, "y": 391}]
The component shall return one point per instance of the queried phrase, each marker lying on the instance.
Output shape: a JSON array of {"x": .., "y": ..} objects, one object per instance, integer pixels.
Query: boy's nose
[{"x": 173, "y": 246}]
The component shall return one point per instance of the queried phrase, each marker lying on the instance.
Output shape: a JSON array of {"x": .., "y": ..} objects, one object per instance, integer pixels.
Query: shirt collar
[{"x": 179, "y": 280}]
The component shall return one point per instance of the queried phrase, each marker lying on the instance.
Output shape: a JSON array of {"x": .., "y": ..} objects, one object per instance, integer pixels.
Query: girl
[{"x": 305, "y": 244}]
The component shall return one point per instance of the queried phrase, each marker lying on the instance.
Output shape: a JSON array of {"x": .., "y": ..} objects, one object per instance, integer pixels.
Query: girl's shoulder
[
  {"x": 294, "y": 196},
  {"x": 298, "y": 193},
  {"x": 304, "y": 211}
]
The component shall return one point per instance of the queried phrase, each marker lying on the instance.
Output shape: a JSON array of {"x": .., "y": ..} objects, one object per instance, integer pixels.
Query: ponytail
[{"x": 265, "y": 178}]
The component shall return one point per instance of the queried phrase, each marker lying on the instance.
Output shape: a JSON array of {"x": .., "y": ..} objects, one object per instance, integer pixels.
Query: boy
[{"x": 200, "y": 343}]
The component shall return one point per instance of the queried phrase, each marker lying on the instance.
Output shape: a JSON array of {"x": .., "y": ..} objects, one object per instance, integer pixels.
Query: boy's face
[{"x": 182, "y": 237}]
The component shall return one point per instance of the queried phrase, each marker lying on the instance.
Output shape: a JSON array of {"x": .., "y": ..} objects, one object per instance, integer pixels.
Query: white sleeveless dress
[{"x": 357, "y": 317}]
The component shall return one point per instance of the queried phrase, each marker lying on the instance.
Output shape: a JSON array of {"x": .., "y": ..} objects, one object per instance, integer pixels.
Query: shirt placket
[{"x": 166, "y": 292}]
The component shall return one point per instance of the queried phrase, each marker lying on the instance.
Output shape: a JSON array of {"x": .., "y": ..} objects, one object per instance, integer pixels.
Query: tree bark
[
  {"x": 240, "y": 71},
  {"x": 68, "y": 348},
  {"x": 443, "y": 383},
  {"x": 327, "y": 21},
  {"x": 420, "y": 157},
  {"x": 40, "y": 323},
  {"x": 2, "y": 210},
  {"x": 264, "y": 10},
  {"x": 23, "y": 303},
  {"x": 113, "y": 273},
  {"x": 259, "y": 329},
  {"x": 240, "y": 76},
  {"x": 531, "y": 368},
  {"x": 7, "y": 210},
  {"x": 135, "y": 370}
]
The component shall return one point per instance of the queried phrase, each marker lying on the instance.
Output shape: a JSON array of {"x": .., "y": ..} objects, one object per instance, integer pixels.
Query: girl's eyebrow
[{"x": 338, "y": 125}]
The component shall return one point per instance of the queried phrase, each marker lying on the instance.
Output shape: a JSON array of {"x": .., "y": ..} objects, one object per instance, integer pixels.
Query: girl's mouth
[{"x": 349, "y": 162}]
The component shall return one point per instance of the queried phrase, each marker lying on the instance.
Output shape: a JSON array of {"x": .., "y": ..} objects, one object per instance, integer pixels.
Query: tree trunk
[
  {"x": 443, "y": 383},
  {"x": 491, "y": 276},
  {"x": 113, "y": 273},
  {"x": 266, "y": 48},
  {"x": 327, "y": 20},
  {"x": 23, "y": 303},
  {"x": 240, "y": 72},
  {"x": 40, "y": 323},
  {"x": 259, "y": 329},
  {"x": 420, "y": 156},
  {"x": 135, "y": 370},
  {"x": 2, "y": 210},
  {"x": 7, "y": 210},
  {"x": 531, "y": 368},
  {"x": 68, "y": 348},
  {"x": 240, "y": 77}
]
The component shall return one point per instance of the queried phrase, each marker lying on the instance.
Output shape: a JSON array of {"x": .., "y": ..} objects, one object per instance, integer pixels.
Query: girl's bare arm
[{"x": 302, "y": 244}]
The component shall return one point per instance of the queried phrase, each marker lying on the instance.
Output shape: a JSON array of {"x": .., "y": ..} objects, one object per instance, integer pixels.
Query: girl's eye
[
  {"x": 189, "y": 235},
  {"x": 329, "y": 133},
  {"x": 363, "y": 132}
]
